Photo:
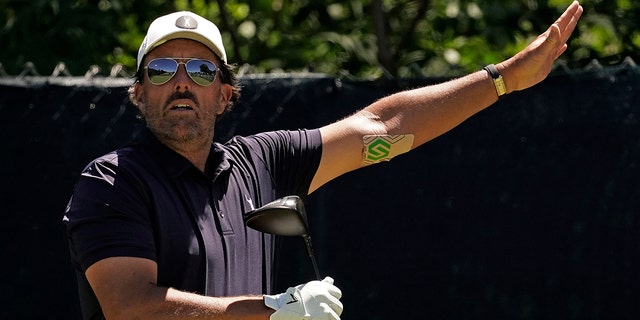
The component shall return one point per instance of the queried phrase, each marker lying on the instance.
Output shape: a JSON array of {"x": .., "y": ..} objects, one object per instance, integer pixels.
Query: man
[{"x": 156, "y": 228}]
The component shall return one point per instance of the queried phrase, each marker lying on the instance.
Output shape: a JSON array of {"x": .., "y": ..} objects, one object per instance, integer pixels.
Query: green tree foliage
[{"x": 363, "y": 39}]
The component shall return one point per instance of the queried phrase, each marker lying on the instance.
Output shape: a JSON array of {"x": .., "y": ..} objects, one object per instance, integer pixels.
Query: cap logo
[{"x": 186, "y": 22}]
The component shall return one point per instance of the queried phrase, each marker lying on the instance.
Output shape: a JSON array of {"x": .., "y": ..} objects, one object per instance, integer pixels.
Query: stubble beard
[
  {"x": 178, "y": 130},
  {"x": 182, "y": 130}
]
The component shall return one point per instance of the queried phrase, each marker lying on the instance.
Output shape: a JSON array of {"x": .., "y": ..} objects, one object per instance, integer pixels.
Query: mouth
[{"x": 181, "y": 107}]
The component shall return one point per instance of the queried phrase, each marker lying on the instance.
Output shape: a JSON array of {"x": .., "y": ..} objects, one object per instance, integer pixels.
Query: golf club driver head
[{"x": 283, "y": 217}]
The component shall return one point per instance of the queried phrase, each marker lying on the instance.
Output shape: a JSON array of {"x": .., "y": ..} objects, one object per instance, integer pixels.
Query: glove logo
[{"x": 293, "y": 299}]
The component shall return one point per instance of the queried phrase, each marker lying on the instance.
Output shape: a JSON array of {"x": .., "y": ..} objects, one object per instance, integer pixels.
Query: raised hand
[{"x": 534, "y": 63}]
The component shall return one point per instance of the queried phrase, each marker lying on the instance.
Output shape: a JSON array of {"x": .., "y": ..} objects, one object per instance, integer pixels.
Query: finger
[
  {"x": 561, "y": 50},
  {"x": 568, "y": 20},
  {"x": 568, "y": 14},
  {"x": 333, "y": 290},
  {"x": 559, "y": 32},
  {"x": 568, "y": 30},
  {"x": 328, "y": 280},
  {"x": 332, "y": 301},
  {"x": 553, "y": 37},
  {"x": 329, "y": 311}
]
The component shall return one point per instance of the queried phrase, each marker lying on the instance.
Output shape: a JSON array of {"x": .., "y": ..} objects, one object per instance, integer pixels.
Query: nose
[{"x": 181, "y": 81}]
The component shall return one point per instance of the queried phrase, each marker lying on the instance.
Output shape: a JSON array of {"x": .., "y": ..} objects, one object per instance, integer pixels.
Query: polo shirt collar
[{"x": 174, "y": 163}]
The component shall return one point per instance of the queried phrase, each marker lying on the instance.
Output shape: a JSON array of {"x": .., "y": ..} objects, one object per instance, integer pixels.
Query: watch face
[{"x": 501, "y": 89}]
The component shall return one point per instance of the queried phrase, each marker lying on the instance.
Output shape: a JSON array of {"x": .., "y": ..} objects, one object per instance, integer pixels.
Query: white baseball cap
[{"x": 182, "y": 25}]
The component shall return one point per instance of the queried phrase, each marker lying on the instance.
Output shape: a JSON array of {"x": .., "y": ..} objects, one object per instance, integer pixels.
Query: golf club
[{"x": 283, "y": 217}]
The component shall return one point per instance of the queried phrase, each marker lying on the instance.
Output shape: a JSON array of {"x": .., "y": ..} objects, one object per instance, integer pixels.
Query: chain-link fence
[{"x": 528, "y": 210}]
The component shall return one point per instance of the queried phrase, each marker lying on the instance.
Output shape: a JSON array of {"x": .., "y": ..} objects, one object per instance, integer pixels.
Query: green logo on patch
[{"x": 378, "y": 149}]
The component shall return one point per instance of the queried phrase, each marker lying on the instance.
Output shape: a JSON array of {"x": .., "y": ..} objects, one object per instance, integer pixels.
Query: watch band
[{"x": 498, "y": 82}]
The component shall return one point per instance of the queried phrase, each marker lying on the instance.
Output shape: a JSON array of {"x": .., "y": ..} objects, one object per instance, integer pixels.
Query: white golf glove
[{"x": 313, "y": 300}]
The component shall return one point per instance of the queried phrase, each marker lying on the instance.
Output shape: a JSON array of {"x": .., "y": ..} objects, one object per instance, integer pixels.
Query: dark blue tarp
[{"x": 528, "y": 210}]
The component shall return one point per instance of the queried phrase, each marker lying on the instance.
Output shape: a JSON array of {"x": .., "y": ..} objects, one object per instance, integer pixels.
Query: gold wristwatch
[{"x": 498, "y": 82}]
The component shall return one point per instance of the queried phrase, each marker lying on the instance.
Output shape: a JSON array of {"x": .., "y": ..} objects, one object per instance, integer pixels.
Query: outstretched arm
[{"x": 430, "y": 111}]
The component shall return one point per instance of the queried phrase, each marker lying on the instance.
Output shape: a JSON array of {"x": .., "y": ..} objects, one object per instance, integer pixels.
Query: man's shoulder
[
  {"x": 112, "y": 164},
  {"x": 117, "y": 157},
  {"x": 271, "y": 137}
]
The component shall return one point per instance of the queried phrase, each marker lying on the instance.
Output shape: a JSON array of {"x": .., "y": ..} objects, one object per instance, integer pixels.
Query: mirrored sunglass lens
[
  {"x": 161, "y": 70},
  {"x": 202, "y": 72}
]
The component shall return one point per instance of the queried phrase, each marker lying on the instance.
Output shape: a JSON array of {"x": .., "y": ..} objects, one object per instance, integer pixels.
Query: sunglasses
[{"x": 161, "y": 70}]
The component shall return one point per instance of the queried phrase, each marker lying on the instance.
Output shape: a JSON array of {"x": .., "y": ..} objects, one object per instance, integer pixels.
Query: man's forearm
[
  {"x": 430, "y": 111},
  {"x": 187, "y": 305},
  {"x": 169, "y": 303},
  {"x": 183, "y": 305}
]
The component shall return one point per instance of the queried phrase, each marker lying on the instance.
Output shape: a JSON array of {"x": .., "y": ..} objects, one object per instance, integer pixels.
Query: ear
[
  {"x": 137, "y": 96},
  {"x": 226, "y": 91}
]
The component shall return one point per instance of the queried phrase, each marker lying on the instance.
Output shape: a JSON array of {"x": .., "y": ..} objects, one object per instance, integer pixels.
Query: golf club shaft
[
  {"x": 315, "y": 267},
  {"x": 307, "y": 242}
]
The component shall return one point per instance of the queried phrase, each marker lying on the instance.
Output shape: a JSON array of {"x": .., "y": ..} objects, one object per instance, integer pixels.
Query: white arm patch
[{"x": 384, "y": 147}]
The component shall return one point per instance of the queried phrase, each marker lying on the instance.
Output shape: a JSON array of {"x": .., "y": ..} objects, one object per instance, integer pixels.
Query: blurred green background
[{"x": 362, "y": 39}]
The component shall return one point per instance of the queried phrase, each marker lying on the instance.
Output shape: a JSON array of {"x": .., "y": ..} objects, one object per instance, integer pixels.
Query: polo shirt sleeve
[
  {"x": 107, "y": 215},
  {"x": 291, "y": 157}
]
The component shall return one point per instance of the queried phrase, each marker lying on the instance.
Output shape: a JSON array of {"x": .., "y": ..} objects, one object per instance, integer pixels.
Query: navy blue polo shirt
[{"x": 145, "y": 200}]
